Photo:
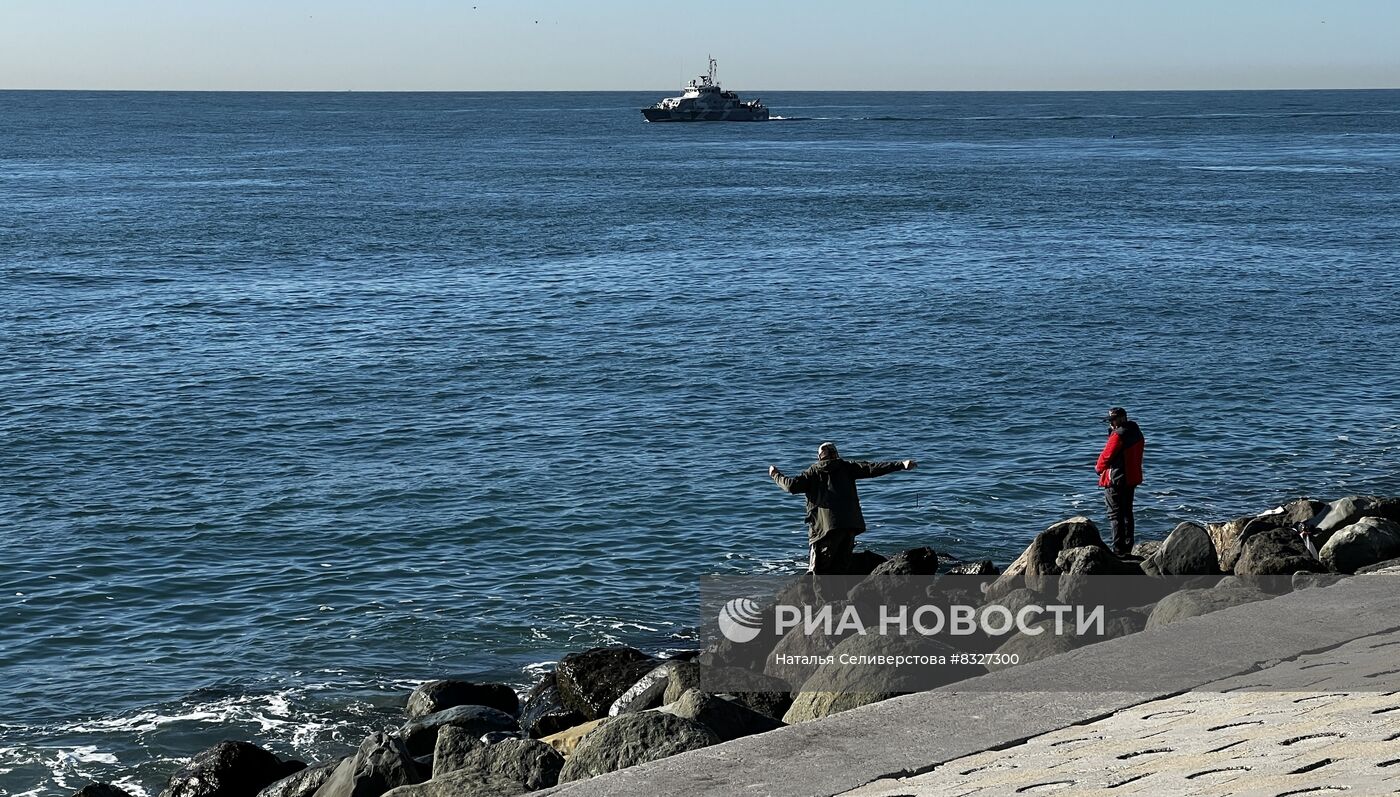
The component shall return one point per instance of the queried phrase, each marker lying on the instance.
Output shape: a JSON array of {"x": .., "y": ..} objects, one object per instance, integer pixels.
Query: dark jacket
[
  {"x": 830, "y": 487},
  {"x": 1120, "y": 462}
]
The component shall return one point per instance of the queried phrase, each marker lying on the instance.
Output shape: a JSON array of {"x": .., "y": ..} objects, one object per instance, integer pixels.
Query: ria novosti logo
[{"x": 741, "y": 620}]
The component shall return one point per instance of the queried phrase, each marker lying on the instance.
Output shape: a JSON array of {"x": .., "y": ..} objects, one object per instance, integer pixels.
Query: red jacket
[{"x": 1120, "y": 462}]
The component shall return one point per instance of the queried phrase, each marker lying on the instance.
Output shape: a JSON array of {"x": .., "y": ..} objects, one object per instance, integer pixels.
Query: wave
[
  {"x": 1286, "y": 169},
  {"x": 314, "y": 722}
]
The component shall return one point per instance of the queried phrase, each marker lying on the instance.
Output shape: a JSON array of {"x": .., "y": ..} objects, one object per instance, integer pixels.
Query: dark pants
[
  {"x": 1120, "y": 516},
  {"x": 830, "y": 555}
]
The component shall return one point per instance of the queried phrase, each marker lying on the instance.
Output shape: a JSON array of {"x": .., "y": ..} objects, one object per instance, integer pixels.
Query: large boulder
[
  {"x": 1388, "y": 508},
  {"x": 913, "y": 562},
  {"x": 1045, "y": 639},
  {"x": 1035, "y": 567},
  {"x": 760, "y": 692},
  {"x": 523, "y": 764},
  {"x": 1091, "y": 574},
  {"x": 1276, "y": 552},
  {"x": 1300, "y": 511},
  {"x": 989, "y": 615},
  {"x": 1016, "y": 600},
  {"x": 1146, "y": 548},
  {"x": 1305, "y": 580},
  {"x": 544, "y": 712},
  {"x": 793, "y": 658},
  {"x": 420, "y": 735},
  {"x": 1229, "y": 537},
  {"x": 1388, "y": 567},
  {"x": 462, "y": 784},
  {"x": 229, "y": 769},
  {"x": 302, "y": 783},
  {"x": 1011, "y": 579},
  {"x": 101, "y": 790},
  {"x": 840, "y": 686},
  {"x": 1368, "y": 541},
  {"x": 381, "y": 763},
  {"x": 632, "y": 739},
  {"x": 1187, "y": 551},
  {"x": 899, "y": 581},
  {"x": 954, "y": 594},
  {"x": 1228, "y": 540},
  {"x": 1195, "y": 602},
  {"x": 1121, "y": 622},
  {"x": 1041, "y": 566},
  {"x": 440, "y": 695},
  {"x": 1023, "y": 648},
  {"x": 591, "y": 681},
  {"x": 453, "y": 747},
  {"x": 568, "y": 740},
  {"x": 727, "y": 718},
  {"x": 1346, "y": 511},
  {"x": 863, "y": 562},
  {"x": 646, "y": 693}
]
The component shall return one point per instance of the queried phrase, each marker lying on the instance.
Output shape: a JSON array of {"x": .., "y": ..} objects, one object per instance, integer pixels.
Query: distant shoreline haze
[
  {"x": 674, "y": 89},
  {"x": 811, "y": 45}
]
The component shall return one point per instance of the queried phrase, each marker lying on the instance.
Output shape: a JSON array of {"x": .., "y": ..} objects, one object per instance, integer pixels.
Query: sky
[{"x": 538, "y": 45}]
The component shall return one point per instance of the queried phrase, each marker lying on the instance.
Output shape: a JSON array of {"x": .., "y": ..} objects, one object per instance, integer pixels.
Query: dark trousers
[
  {"x": 831, "y": 553},
  {"x": 830, "y": 556},
  {"x": 1119, "y": 499}
]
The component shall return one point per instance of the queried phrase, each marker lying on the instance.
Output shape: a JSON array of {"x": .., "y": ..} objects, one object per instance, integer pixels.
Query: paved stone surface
[
  {"x": 1008, "y": 710},
  {"x": 1284, "y": 730}
]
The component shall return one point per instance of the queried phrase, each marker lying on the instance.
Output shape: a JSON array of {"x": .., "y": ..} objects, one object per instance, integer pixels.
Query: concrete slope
[{"x": 915, "y": 733}]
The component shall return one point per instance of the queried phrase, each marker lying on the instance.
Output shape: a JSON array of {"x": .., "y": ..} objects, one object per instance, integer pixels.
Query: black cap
[{"x": 1115, "y": 413}]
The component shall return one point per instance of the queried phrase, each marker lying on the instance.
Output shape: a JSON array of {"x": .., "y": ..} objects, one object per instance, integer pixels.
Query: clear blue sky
[{"x": 631, "y": 44}]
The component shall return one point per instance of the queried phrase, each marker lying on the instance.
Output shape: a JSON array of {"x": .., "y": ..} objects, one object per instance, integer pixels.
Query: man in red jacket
[{"x": 1120, "y": 472}]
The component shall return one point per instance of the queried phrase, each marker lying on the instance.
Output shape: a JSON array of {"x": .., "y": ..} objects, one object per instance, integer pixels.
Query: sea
[{"x": 307, "y": 398}]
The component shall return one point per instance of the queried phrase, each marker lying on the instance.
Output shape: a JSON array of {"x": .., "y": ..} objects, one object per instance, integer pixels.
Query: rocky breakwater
[{"x": 608, "y": 708}]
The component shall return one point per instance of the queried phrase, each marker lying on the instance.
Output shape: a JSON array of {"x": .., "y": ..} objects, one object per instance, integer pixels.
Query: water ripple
[{"x": 305, "y": 402}]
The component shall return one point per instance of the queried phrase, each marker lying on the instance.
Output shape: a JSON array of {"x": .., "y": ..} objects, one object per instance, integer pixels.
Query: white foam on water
[
  {"x": 537, "y": 670},
  {"x": 68, "y": 767},
  {"x": 270, "y": 712},
  {"x": 132, "y": 787},
  {"x": 86, "y": 755},
  {"x": 288, "y": 720}
]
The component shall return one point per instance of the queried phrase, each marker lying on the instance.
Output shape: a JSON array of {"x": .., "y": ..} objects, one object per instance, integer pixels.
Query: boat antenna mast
[{"x": 712, "y": 70}]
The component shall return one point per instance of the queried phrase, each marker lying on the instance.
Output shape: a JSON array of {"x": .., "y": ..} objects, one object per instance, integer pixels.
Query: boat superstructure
[{"x": 704, "y": 101}]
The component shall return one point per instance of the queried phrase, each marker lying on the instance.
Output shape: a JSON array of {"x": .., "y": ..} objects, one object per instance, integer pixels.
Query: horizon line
[{"x": 638, "y": 91}]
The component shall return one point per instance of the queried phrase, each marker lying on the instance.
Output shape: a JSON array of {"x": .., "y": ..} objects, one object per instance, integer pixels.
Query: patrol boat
[{"x": 705, "y": 101}]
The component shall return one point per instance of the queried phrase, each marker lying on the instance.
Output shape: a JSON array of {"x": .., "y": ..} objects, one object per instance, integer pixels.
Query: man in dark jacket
[
  {"x": 1120, "y": 472},
  {"x": 833, "y": 507}
]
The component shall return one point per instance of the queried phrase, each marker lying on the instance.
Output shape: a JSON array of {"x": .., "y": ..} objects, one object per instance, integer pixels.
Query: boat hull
[{"x": 716, "y": 115}]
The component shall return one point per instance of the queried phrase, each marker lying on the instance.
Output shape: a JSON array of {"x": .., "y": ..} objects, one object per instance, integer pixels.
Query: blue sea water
[{"x": 307, "y": 397}]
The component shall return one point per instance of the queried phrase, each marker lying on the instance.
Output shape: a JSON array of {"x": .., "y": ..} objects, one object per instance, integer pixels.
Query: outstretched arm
[
  {"x": 869, "y": 470},
  {"x": 796, "y": 485}
]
